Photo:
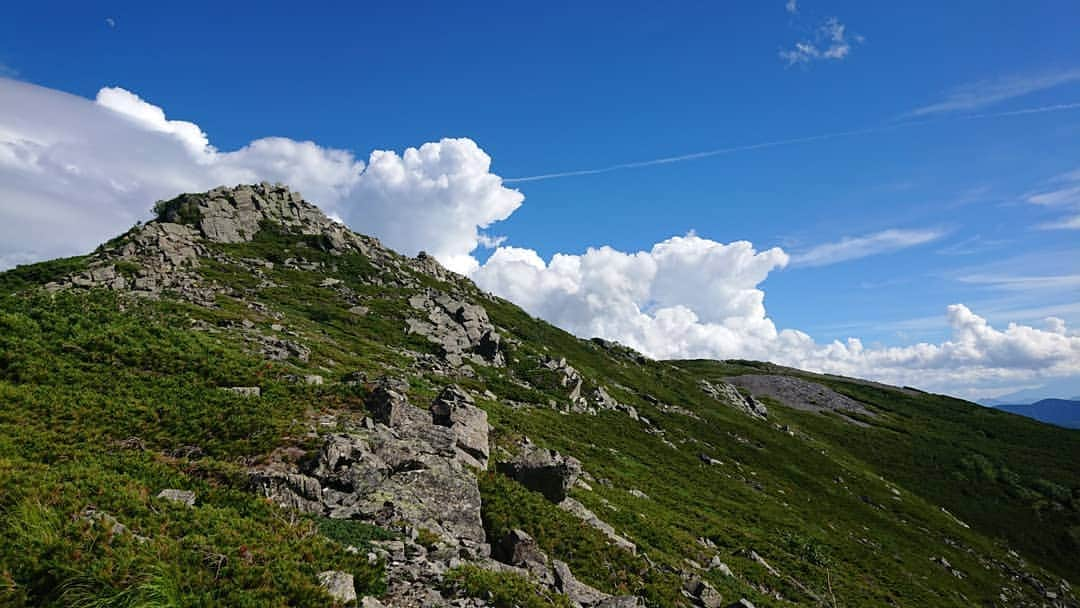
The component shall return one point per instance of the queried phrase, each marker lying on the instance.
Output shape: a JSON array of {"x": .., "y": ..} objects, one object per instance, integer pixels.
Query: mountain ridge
[
  {"x": 1062, "y": 412},
  {"x": 318, "y": 391}
]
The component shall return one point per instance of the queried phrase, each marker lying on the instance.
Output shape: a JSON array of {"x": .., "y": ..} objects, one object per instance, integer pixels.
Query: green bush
[{"x": 501, "y": 589}]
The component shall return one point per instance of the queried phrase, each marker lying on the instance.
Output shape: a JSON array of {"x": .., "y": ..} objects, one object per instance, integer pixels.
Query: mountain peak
[
  {"x": 190, "y": 228},
  {"x": 235, "y": 215}
]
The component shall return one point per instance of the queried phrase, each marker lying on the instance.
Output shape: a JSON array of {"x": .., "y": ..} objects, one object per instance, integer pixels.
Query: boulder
[
  {"x": 455, "y": 408},
  {"x": 517, "y": 548},
  {"x": 574, "y": 589},
  {"x": 387, "y": 402},
  {"x": 244, "y": 391},
  {"x": 339, "y": 585},
  {"x": 185, "y": 497},
  {"x": 542, "y": 470},
  {"x": 703, "y": 593}
]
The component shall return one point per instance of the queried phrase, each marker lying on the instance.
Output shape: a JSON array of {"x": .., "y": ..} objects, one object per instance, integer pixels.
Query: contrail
[{"x": 787, "y": 142}]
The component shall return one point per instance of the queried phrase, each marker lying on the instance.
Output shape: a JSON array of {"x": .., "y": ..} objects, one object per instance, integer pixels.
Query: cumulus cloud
[
  {"x": 851, "y": 248},
  {"x": 830, "y": 41},
  {"x": 74, "y": 172},
  {"x": 692, "y": 297}
]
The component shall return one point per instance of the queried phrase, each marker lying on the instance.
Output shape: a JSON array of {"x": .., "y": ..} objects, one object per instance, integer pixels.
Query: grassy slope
[
  {"x": 1007, "y": 475},
  {"x": 79, "y": 372}
]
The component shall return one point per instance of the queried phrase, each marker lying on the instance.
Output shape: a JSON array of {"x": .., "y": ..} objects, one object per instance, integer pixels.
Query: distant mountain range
[{"x": 1062, "y": 412}]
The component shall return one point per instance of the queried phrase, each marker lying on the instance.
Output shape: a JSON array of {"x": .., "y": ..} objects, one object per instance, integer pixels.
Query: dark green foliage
[
  {"x": 593, "y": 559},
  {"x": 502, "y": 589},
  {"x": 358, "y": 534},
  {"x": 31, "y": 275},
  {"x": 183, "y": 209},
  {"x": 77, "y": 376}
]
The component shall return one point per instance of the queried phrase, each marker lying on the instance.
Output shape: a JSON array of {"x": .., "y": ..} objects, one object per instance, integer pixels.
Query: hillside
[
  {"x": 1062, "y": 412},
  {"x": 357, "y": 426}
]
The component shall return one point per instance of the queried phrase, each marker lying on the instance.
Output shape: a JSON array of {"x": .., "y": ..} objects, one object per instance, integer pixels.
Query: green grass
[
  {"x": 98, "y": 392},
  {"x": 502, "y": 589}
]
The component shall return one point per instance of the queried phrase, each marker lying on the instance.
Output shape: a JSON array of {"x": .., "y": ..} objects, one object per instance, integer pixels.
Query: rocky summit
[{"x": 243, "y": 402}]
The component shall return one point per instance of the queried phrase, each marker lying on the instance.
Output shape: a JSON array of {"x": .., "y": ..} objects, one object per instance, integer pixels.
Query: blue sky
[{"x": 562, "y": 87}]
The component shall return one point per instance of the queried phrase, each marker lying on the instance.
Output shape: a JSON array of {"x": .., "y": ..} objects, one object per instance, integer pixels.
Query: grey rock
[
  {"x": 726, "y": 393},
  {"x": 717, "y": 564},
  {"x": 709, "y": 460},
  {"x": 455, "y": 408},
  {"x": 802, "y": 394},
  {"x": 409, "y": 473},
  {"x": 461, "y": 329},
  {"x": 186, "y": 497},
  {"x": 339, "y": 585},
  {"x": 542, "y": 470},
  {"x": 742, "y": 603},
  {"x": 579, "y": 510},
  {"x": 705, "y": 594},
  {"x": 244, "y": 391},
  {"x": 370, "y": 602},
  {"x": 387, "y": 401},
  {"x": 574, "y": 589},
  {"x": 517, "y": 548}
]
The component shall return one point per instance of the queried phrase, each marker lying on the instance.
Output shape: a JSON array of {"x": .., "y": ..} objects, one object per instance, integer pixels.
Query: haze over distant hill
[{"x": 1062, "y": 412}]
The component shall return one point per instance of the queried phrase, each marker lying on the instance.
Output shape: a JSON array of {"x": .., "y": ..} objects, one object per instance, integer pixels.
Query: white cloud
[
  {"x": 1055, "y": 198},
  {"x": 984, "y": 93},
  {"x": 1023, "y": 283},
  {"x": 692, "y": 297},
  {"x": 792, "y": 6},
  {"x": 1065, "y": 194},
  {"x": 831, "y": 41},
  {"x": 75, "y": 172},
  {"x": 850, "y": 248},
  {"x": 1068, "y": 223},
  {"x": 152, "y": 117}
]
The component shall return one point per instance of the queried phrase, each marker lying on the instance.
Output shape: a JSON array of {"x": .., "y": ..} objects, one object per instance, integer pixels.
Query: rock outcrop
[
  {"x": 726, "y": 393},
  {"x": 454, "y": 408},
  {"x": 801, "y": 394},
  {"x": 400, "y": 467},
  {"x": 570, "y": 379},
  {"x": 461, "y": 330},
  {"x": 161, "y": 254}
]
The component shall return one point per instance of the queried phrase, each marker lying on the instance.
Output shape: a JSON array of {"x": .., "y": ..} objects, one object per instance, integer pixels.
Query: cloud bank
[
  {"x": 82, "y": 170},
  {"x": 75, "y": 172},
  {"x": 690, "y": 297}
]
